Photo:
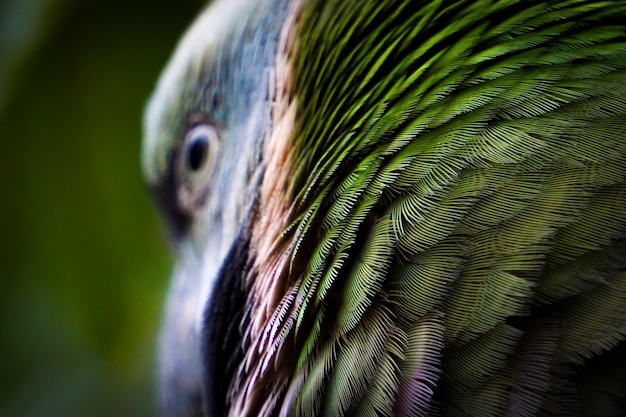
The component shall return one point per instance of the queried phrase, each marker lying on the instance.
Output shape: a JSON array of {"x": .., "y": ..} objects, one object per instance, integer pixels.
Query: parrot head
[{"x": 207, "y": 126}]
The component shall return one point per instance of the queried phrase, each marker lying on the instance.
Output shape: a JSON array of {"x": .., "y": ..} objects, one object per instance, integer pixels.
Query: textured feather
[{"x": 458, "y": 212}]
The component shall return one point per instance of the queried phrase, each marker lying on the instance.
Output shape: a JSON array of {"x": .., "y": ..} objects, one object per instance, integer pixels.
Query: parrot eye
[
  {"x": 197, "y": 152},
  {"x": 197, "y": 161}
]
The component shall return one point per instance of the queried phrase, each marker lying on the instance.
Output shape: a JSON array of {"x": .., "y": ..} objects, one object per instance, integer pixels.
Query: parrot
[{"x": 393, "y": 208}]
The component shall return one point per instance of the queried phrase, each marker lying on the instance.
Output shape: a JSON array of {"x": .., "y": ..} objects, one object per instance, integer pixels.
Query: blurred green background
[{"x": 83, "y": 260}]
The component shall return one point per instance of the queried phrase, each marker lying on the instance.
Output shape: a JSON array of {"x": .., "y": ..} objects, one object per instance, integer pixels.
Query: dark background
[{"x": 84, "y": 263}]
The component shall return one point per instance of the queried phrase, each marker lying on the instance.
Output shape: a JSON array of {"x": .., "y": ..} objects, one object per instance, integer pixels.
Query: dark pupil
[{"x": 197, "y": 152}]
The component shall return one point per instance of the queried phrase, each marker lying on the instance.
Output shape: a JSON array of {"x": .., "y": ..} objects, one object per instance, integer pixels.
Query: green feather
[{"x": 459, "y": 166}]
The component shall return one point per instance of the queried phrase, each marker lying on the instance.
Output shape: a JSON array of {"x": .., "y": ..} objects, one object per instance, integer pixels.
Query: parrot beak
[
  {"x": 203, "y": 310},
  {"x": 180, "y": 371}
]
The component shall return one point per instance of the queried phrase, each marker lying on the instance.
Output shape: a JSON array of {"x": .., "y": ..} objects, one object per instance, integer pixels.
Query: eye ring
[{"x": 197, "y": 159}]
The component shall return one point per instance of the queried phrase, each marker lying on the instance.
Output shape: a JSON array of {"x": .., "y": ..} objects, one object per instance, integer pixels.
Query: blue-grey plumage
[{"x": 213, "y": 92}]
